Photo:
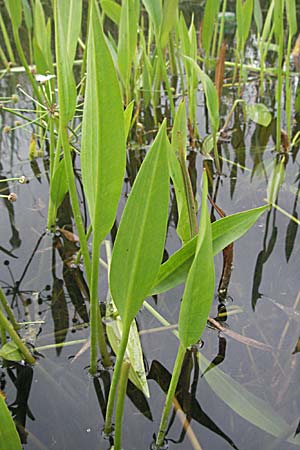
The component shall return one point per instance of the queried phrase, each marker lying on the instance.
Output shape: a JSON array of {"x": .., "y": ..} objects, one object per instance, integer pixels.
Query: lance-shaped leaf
[
  {"x": 139, "y": 245},
  {"x": 103, "y": 139},
  {"x": 9, "y": 438},
  {"x": 66, "y": 82},
  {"x": 209, "y": 19},
  {"x": 200, "y": 284},
  {"x": 112, "y": 9},
  {"x": 210, "y": 92},
  {"x": 224, "y": 231},
  {"x": 127, "y": 38},
  {"x": 14, "y": 8}
]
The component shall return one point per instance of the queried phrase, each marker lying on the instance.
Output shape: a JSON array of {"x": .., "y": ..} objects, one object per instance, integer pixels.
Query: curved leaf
[{"x": 224, "y": 231}]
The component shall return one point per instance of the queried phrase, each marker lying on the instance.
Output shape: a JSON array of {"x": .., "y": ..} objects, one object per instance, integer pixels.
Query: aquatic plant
[{"x": 124, "y": 75}]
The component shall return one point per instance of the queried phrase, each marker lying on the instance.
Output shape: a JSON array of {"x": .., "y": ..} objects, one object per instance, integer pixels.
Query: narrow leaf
[
  {"x": 209, "y": 19},
  {"x": 14, "y": 8},
  {"x": 200, "y": 284},
  {"x": 211, "y": 95},
  {"x": 66, "y": 82},
  {"x": 139, "y": 245},
  {"x": 59, "y": 185},
  {"x": 224, "y": 231},
  {"x": 103, "y": 140},
  {"x": 112, "y": 9}
]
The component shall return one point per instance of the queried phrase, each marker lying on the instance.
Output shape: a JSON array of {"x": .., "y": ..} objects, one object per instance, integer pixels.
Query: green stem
[
  {"x": 8, "y": 310},
  {"x": 288, "y": 87},
  {"x": 25, "y": 65},
  {"x": 3, "y": 336},
  {"x": 170, "y": 396},
  {"x": 278, "y": 97},
  {"x": 7, "y": 326},
  {"x": 115, "y": 379},
  {"x": 6, "y": 40},
  {"x": 96, "y": 326},
  {"x": 79, "y": 254},
  {"x": 216, "y": 153},
  {"x": 189, "y": 195},
  {"x": 75, "y": 202},
  {"x": 120, "y": 404},
  {"x": 221, "y": 34}
]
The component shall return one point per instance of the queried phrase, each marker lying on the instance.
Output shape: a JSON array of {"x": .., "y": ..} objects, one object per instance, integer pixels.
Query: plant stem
[
  {"x": 78, "y": 256},
  {"x": 120, "y": 404},
  {"x": 7, "y": 326},
  {"x": 96, "y": 326},
  {"x": 25, "y": 65},
  {"x": 170, "y": 396},
  {"x": 115, "y": 379},
  {"x": 8, "y": 310},
  {"x": 3, "y": 336},
  {"x": 74, "y": 201},
  {"x": 288, "y": 87}
]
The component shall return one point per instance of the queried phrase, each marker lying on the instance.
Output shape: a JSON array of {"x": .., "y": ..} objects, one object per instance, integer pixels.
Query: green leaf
[
  {"x": 59, "y": 185},
  {"x": 14, "y": 8},
  {"x": 127, "y": 118},
  {"x": 209, "y": 19},
  {"x": 127, "y": 39},
  {"x": 112, "y": 10},
  {"x": 169, "y": 20},
  {"x": 179, "y": 127},
  {"x": 103, "y": 137},
  {"x": 140, "y": 240},
  {"x": 259, "y": 113},
  {"x": 258, "y": 17},
  {"x": 200, "y": 283},
  {"x": 244, "y": 9},
  {"x": 27, "y": 14},
  {"x": 66, "y": 82},
  {"x": 291, "y": 15},
  {"x": 154, "y": 10},
  {"x": 72, "y": 14},
  {"x": 11, "y": 352},
  {"x": 41, "y": 41},
  {"x": 179, "y": 137},
  {"x": 114, "y": 329},
  {"x": 275, "y": 180},
  {"x": 224, "y": 231},
  {"x": 244, "y": 403},
  {"x": 211, "y": 95},
  {"x": 9, "y": 438}
]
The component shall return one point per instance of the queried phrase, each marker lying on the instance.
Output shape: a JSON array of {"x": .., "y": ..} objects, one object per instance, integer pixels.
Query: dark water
[{"x": 60, "y": 405}]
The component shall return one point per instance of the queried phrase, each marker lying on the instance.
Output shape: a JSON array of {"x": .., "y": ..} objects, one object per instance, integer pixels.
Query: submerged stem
[
  {"x": 7, "y": 326},
  {"x": 120, "y": 403},
  {"x": 170, "y": 396},
  {"x": 115, "y": 379},
  {"x": 8, "y": 310}
]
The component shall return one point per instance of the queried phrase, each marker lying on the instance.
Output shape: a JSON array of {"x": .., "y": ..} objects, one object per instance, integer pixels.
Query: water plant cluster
[{"x": 92, "y": 83}]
